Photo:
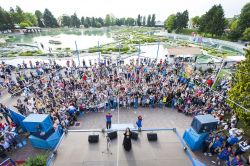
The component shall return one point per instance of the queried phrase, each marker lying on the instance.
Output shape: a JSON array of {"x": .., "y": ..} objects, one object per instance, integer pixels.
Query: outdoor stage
[{"x": 75, "y": 149}]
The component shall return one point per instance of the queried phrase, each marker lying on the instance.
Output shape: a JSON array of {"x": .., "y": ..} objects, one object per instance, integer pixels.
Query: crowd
[{"x": 65, "y": 93}]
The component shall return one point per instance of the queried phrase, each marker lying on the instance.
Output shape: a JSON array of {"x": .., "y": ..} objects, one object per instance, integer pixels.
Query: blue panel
[
  {"x": 54, "y": 139},
  {"x": 206, "y": 118},
  {"x": 18, "y": 119},
  {"x": 193, "y": 139},
  {"x": 39, "y": 143},
  {"x": 204, "y": 123},
  {"x": 38, "y": 123},
  {"x": 49, "y": 143}
]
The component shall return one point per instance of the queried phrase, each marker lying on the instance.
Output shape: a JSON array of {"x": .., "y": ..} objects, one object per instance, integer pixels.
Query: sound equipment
[
  {"x": 134, "y": 135},
  {"x": 152, "y": 136},
  {"x": 94, "y": 138},
  {"x": 112, "y": 135}
]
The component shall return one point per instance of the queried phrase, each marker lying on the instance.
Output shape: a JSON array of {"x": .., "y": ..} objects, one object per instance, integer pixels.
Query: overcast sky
[{"x": 125, "y": 8}]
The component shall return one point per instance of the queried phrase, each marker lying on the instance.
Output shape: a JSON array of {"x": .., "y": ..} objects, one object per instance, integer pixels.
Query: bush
[{"x": 38, "y": 160}]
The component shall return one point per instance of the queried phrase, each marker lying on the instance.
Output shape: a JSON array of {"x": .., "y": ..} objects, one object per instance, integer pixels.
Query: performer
[
  {"x": 139, "y": 122},
  {"x": 127, "y": 139},
  {"x": 108, "y": 120}
]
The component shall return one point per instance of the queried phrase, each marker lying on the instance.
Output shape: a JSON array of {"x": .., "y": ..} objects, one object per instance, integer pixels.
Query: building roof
[{"x": 184, "y": 51}]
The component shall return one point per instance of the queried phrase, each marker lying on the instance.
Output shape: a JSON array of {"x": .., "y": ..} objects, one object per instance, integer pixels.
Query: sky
[{"x": 126, "y": 8}]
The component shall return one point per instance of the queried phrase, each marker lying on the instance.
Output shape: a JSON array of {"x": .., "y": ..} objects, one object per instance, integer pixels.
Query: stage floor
[{"x": 76, "y": 150}]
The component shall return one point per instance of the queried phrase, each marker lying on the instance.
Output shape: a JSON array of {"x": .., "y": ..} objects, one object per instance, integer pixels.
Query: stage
[{"x": 74, "y": 149}]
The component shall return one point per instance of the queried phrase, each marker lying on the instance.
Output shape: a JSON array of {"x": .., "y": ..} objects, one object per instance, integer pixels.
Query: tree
[
  {"x": 149, "y": 20},
  {"x": 153, "y": 20},
  {"x": 139, "y": 20},
  {"x": 66, "y": 20},
  {"x": 130, "y": 21},
  {"x": 100, "y": 20},
  {"x": 49, "y": 19},
  {"x": 29, "y": 17},
  {"x": 195, "y": 21},
  {"x": 213, "y": 21},
  {"x": 39, "y": 17},
  {"x": 107, "y": 20},
  {"x": 82, "y": 20},
  {"x": 244, "y": 19},
  {"x": 169, "y": 23},
  {"x": 202, "y": 24},
  {"x": 6, "y": 21},
  {"x": 87, "y": 22},
  {"x": 246, "y": 34},
  {"x": 181, "y": 21},
  {"x": 75, "y": 21},
  {"x": 240, "y": 88},
  {"x": 144, "y": 21}
]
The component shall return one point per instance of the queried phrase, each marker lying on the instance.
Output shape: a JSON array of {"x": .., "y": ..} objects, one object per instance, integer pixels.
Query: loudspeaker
[
  {"x": 93, "y": 138},
  {"x": 152, "y": 136},
  {"x": 112, "y": 135},
  {"x": 134, "y": 135}
]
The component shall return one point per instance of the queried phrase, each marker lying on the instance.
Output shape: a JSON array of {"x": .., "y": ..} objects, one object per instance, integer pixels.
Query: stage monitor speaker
[
  {"x": 93, "y": 138},
  {"x": 112, "y": 135},
  {"x": 134, "y": 135},
  {"x": 152, "y": 136}
]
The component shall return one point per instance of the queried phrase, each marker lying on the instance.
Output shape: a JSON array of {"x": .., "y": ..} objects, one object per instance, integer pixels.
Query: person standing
[
  {"x": 108, "y": 120},
  {"x": 127, "y": 140},
  {"x": 139, "y": 122}
]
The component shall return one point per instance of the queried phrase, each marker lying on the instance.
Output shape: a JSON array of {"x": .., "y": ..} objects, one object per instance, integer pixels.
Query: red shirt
[{"x": 84, "y": 77}]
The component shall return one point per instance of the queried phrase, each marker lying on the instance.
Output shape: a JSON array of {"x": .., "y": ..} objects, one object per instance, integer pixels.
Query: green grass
[{"x": 31, "y": 53}]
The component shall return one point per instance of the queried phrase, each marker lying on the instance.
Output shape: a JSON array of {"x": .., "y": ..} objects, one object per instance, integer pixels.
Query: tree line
[
  {"x": 109, "y": 20},
  {"x": 8, "y": 20},
  {"x": 213, "y": 23}
]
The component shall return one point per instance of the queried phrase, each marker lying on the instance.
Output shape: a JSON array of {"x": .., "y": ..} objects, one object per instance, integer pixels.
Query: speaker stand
[{"x": 107, "y": 151}]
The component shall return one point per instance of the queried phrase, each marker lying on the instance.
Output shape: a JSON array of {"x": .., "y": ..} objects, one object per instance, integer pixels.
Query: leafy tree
[
  {"x": 144, "y": 21},
  {"x": 39, "y": 17},
  {"x": 246, "y": 34},
  {"x": 234, "y": 34},
  {"x": 234, "y": 24},
  {"x": 169, "y": 23},
  {"x": 202, "y": 24},
  {"x": 100, "y": 20},
  {"x": 49, "y": 19},
  {"x": 75, "y": 21},
  {"x": 130, "y": 21},
  {"x": 240, "y": 88},
  {"x": 213, "y": 21},
  {"x": 149, "y": 20},
  {"x": 181, "y": 21},
  {"x": 24, "y": 24},
  {"x": 18, "y": 15},
  {"x": 139, "y": 20},
  {"x": 29, "y": 17},
  {"x": 66, "y": 20},
  {"x": 244, "y": 19},
  {"x": 195, "y": 21},
  {"x": 107, "y": 20},
  {"x": 87, "y": 22},
  {"x": 153, "y": 20},
  {"x": 6, "y": 21},
  {"x": 82, "y": 20}
]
